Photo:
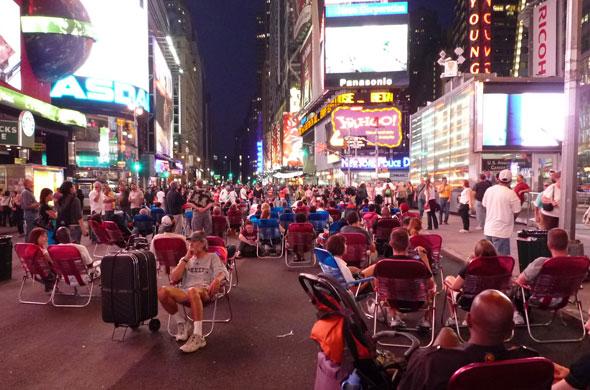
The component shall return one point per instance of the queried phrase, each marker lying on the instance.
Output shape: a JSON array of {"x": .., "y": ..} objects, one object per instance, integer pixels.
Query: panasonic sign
[{"x": 96, "y": 90}]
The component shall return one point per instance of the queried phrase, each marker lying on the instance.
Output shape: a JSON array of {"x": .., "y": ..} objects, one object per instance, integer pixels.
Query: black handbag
[{"x": 549, "y": 206}]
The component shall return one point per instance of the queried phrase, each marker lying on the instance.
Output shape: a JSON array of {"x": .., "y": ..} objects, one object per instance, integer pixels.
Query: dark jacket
[{"x": 174, "y": 202}]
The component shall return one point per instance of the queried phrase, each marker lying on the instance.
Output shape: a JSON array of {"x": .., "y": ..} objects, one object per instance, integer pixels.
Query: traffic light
[
  {"x": 231, "y": 176},
  {"x": 166, "y": 175},
  {"x": 137, "y": 167}
]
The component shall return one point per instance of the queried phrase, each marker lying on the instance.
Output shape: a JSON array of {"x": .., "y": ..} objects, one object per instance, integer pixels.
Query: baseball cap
[
  {"x": 167, "y": 221},
  {"x": 505, "y": 176}
]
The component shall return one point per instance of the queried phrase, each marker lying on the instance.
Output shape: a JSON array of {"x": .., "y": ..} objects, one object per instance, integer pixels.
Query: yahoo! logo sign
[{"x": 380, "y": 127}]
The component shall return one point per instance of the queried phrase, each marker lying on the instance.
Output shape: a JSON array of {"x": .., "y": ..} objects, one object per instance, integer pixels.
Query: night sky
[{"x": 226, "y": 32}]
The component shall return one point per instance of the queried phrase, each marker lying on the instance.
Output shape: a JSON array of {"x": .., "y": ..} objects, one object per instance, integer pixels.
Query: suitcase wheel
[{"x": 154, "y": 325}]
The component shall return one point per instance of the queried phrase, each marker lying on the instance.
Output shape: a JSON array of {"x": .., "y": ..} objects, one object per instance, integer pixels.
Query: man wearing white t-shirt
[
  {"x": 502, "y": 205},
  {"x": 96, "y": 198}
]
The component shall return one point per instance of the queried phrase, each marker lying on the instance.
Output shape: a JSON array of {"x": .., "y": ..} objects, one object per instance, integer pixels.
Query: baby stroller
[{"x": 356, "y": 358}]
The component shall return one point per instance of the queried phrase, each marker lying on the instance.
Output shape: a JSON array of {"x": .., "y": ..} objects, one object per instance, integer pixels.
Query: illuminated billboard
[
  {"x": 523, "y": 119},
  {"x": 10, "y": 44},
  {"x": 480, "y": 36},
  {"x": 116, "y": 74},
  {"x": 292, "y": 141},
  {"x": 366, "y": 45},
  {"x": 381, "y": 127},
  {"x": 164, "y": 104}
]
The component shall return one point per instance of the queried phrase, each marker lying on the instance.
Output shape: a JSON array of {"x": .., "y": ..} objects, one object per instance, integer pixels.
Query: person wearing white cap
[
  {"x": 167, "y": 228},
  {"x": 501, "y": 204}
]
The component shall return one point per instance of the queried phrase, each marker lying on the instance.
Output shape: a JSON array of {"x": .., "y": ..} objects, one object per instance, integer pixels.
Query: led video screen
[
  {"x": 116, "y": 72},
  {"x": 523, "y": 120},
  {"x": 10, "y": 44},
  {"x": 164, "y": 104},
  {"x": 366, "y": 49}
]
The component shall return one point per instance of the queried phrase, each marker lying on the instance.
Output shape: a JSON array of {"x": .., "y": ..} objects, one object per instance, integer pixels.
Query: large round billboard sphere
[{"x": 57, "y": 37}]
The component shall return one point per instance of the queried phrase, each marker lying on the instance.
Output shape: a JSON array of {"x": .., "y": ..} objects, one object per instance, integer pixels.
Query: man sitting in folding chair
[
  {"x": 490, "y": 323},
  {"x": 201, "y": 274}
]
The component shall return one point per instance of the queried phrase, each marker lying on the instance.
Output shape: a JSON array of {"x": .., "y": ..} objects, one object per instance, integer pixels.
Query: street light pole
[{"x": 569, "y": 153}]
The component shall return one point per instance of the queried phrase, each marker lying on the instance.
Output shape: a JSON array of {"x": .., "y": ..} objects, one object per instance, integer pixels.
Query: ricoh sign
[{"x": 545, "y": 39}]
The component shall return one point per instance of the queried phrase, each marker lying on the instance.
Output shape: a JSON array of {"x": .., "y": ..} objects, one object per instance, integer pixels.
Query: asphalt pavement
[{"x": 48, "y": 348}]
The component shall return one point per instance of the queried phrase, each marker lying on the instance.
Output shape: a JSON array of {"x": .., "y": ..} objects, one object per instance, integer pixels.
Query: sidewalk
[{"x": 459, "y": 246}]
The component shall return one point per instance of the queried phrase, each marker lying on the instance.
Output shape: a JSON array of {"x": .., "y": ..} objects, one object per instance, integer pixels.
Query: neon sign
[
  {"x": 368, "y": 163},
  {"x": 381, "y": 127},
  {"x": 259, "y": 157},
  {"x": 480, "y": 36},
  {"x": 366, "y": 9},
  {"x": 106, "y": 91}
]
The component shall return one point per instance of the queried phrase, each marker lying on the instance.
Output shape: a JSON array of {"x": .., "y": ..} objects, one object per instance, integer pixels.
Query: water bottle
[{"x": 353, "y": 382}]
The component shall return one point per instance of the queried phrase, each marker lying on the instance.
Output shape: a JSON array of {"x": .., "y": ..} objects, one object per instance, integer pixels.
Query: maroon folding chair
[
  {"x": 223, "y": 293},
  {"x": 169, "y": 251},
  {"x": 356, "y": 249},
  {"x": 433, "y": 245},
  {"x": 403, "y": 284},
  {"x": 70, "y": 267},
  {"x": 102, "y": 237},
  {"x": 214, "y": 241},
  {"x": 299, "y": 242},
  {"x": 483, "y": 273},
  {"x": 36, "y": 269},
  {"x": 219, "y": 227},
  {"x": 384, "y": 228},
  {"x": 335, "y": 214},
  {"x": 115, "y": 234},
  {"x": 517, "y": 374},
  {"x": 559, "y": 280},
  {"x": 235, "y": 220}
]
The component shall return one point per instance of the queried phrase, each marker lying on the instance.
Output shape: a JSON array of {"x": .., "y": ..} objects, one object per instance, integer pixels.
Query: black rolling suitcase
[{"x": 129, "y": 289}]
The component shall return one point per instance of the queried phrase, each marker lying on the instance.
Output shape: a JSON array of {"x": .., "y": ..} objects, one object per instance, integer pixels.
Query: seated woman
[
  {"x": 370, "y": 217},
  {"x": 416, "y": 240},
  {"x": 336, "y": 245},
  {"x": 38, "y": 236},
  {"x": 483, "y": 248},
  {"x": 248, "y": 238}
]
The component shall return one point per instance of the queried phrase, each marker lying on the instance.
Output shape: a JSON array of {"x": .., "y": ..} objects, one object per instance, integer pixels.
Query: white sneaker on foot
[
  {"x": 194, "y": 343},
  {"x": 395, "y": 322},
  {"x": 517, "y": 318},
  {"x": 463, "y": 231},
  {"x": 183, "y": 331}
]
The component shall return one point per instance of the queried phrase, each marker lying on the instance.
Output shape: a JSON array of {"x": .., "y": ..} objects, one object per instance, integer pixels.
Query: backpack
[{"x": 387, "y": 192}]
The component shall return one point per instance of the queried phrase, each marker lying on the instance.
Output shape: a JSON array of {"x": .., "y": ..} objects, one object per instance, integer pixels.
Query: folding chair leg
[
  {"x": 575, "y": 340},
  {"x": 86, "y": 303},
  {"x": 20, "y": 294}
]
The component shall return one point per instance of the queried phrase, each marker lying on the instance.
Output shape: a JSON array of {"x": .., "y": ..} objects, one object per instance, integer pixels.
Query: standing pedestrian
[
  {"x": 18, "y": 213},
  {"x": 174, "y": 203},
  {"x": 161, "y": 197},
  {"x": 69, "y": 212},
  {"x": 401, "y": 193},
  {"x": 480, "y": 189},
  {"x": 5, "y": 209},
  {"x": 96, "y": 199},
  {"x": 550, "y": 202},
  {"x": 432, "y": 206},
  {"x": 444, "y": 198},
  {"x": 123, "y": 201},
  {"x": 202, "y": 203},
  {"x": 502, "y": 205},
  {"x": 521, "y": 188},
  {"x": 136, "y": 199},
  {"x": 464, "y": 206},
  {"x": 29, "y": 205},
  {"x": 421, "y": 196}
]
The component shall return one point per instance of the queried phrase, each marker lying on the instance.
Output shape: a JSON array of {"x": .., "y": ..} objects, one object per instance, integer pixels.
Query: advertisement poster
[
  {"x": 292, "y": 142},
  {"x": 116, "y": 72},
  {"x": 545, "y": 39},
  {"x": 276, "y": 146},
  {"x": 164, "y": 104},
  {"x": 381, "y": 127},
  {"x": 306, "y": 74},
  {"x": 10, "y": 44}
]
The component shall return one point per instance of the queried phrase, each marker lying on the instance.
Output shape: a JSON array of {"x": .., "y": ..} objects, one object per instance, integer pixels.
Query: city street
[{"x": 47, "y": 347}]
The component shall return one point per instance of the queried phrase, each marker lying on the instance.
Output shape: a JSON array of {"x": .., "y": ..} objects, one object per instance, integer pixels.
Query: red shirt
[{"x": 520, "y": 190}]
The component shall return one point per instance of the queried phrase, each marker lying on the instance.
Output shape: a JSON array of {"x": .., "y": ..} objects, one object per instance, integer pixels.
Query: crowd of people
[{"x": 188, "y": 213}]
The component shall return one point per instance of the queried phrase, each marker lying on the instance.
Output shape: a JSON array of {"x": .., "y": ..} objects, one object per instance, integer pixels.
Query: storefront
[
  {"x": 488, "y": 124},
  {"x": 12, "y": 176}
]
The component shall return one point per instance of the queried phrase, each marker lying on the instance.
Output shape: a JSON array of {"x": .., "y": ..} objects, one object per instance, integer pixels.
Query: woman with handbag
[
  {"x": 551, "y": 200},
  {"x": 47, "y": 215},
  {"x": 69, "y": 212}
]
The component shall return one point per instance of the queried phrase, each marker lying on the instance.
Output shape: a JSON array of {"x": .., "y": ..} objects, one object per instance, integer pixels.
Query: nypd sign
[
  {"x": 104, "y": 91},
  {"x": 368, "y": 163}
]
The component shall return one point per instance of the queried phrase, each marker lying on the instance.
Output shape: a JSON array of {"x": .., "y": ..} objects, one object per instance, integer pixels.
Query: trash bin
[
  {"x": 5, "y": 257},
  {"x": 531, "y": 244}
]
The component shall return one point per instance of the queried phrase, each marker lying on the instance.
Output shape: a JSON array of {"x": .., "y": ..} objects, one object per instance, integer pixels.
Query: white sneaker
[
  {"x": 183, "y": 331},
  {"x": 450, "y": 322},
  {"x": 395, "y": 321},
  {"x": 517, "y": 318},
  {"x": 194, "y": 343},
  {"x": 463, "y": 231}
]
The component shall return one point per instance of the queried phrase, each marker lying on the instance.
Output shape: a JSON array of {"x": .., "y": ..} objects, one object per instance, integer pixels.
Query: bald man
[{"x": 489, "y": 322}]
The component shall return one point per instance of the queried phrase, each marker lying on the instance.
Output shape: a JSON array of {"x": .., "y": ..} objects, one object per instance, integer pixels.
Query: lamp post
[{"x": 569, "y": 153}]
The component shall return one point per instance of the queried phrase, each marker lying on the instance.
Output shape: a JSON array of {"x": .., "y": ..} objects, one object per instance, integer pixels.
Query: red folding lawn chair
[
  {"x": 356, "y": 250},
  {"x": 433, "y": 245},
  {"x": 214, "y": 241},
  {"x": 102, "y": 237},
  {"x": 299, "y": 242},
  {"x": 219, "y": 227},
  {"x": 517, "y": 374},
  {"x": 169, "y": 251},
  {"x": 36, "y": 268},
  {"x": 70, "y": 268},
  {"x": 559, "y": 280}
]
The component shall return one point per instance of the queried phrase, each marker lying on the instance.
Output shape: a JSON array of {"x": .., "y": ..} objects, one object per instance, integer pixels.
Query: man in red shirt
[{"x": 521, "y": 188}]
